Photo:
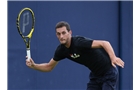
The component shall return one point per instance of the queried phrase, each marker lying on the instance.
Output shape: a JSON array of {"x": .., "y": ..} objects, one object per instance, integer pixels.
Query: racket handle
[{"x": 28, "y": 54}]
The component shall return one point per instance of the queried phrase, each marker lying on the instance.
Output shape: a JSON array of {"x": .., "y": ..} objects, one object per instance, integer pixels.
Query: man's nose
[{"x": 61, "y": 35}]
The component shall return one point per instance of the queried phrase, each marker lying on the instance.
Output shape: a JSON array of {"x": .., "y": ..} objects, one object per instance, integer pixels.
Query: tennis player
[{"x": 97, "y": 55}]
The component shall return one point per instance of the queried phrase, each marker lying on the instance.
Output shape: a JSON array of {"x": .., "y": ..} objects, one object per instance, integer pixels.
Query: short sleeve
[
  {"x": 83, "y": 42},
  {"x": 59, "y": 53}
]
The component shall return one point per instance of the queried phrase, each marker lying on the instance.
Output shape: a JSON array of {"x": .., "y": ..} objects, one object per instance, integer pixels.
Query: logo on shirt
[{"x": 74, "y": 55}]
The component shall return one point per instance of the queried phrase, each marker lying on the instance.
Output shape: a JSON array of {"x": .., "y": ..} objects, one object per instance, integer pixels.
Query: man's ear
[{"x": 70, "y": 31}]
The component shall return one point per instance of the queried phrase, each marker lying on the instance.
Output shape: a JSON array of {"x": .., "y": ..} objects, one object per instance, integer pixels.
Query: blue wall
[{"x": 105, "y": 20}]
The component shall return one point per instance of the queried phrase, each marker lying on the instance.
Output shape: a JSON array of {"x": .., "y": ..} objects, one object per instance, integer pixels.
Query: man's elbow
[{"x": 105, "y": 43}]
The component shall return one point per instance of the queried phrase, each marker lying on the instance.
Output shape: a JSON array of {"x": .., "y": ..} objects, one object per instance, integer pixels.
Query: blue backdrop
[{"x": 104, "y": 20}]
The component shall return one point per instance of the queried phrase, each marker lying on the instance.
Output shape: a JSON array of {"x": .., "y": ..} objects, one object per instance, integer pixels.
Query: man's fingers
[
  {"x": 28, "y": 62},
  {"x": 120, "y": 63}
]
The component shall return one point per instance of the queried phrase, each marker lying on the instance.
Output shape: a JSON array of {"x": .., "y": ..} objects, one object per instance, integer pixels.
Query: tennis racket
[{"x": 25, "y": 26}]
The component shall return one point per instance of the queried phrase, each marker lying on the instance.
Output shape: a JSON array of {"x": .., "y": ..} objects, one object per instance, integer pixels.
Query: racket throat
[
  {"x": 28, "y": 46},
  {"x": 27, "y": 41}
]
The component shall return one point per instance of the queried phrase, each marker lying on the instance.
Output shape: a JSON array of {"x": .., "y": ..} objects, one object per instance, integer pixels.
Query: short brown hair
[{"x": 61, "y": 24}]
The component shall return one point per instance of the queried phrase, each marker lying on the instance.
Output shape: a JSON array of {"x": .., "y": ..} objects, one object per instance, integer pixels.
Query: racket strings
[{"x": 26, "y": 23}]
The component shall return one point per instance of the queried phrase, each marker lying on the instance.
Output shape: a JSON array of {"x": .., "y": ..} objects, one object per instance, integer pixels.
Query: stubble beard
[{"x": 65, "y": 42}]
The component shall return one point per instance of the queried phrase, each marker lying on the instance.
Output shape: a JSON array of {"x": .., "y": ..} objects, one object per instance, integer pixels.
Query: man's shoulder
[
  {"x": 82, "y": 41},
  {"x": 78, "y": 37}
]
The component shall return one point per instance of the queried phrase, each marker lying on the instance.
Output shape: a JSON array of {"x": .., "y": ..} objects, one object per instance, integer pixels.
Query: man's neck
[{"x": 68, "y": 43}]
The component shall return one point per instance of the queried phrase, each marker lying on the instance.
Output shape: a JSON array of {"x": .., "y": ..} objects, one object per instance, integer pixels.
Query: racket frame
[{"x": 27, "y": 39}]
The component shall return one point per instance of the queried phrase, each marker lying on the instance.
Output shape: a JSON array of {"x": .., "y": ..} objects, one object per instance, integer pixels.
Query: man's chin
[{"x": 63, "y": 43}]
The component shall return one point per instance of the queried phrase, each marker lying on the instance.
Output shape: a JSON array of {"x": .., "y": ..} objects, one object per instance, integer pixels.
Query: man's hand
[
  {"x": 117, "y": 61},
  {"x": 30, "y": 63}
]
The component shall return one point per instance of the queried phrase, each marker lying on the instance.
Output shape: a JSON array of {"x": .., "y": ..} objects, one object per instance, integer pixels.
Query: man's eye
[
  {"x": 58, "y": 33},
  {"x": 63, "y": 32}
]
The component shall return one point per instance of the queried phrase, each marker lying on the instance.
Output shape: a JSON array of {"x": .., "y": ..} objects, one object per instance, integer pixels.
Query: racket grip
[{"x": 28, "y": 54}]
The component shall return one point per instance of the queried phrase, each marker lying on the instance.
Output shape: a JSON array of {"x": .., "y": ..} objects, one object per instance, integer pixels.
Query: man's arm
[
  {"x": 44, "y": 67},
  {"x": 107, "y": 46}
]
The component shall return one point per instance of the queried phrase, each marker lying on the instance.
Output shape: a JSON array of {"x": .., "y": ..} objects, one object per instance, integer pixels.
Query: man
[{"x": 97, "y": 55}]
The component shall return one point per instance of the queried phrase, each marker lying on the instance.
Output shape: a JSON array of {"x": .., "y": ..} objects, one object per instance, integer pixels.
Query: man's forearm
[
  {"x": 44, "y": 67},
  {"x": 107, "y": 46}
]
